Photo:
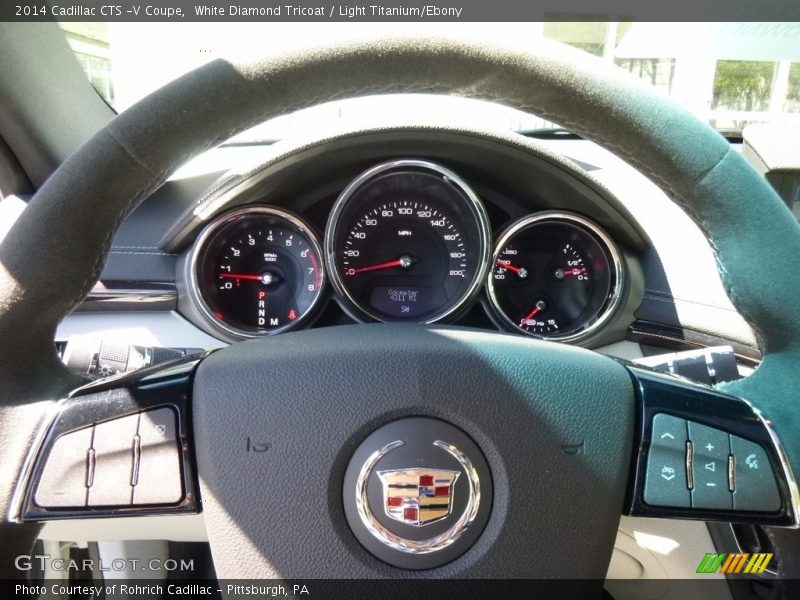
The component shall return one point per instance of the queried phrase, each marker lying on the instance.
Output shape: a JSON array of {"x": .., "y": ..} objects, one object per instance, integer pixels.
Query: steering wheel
[{"x": 540, "y": 439}]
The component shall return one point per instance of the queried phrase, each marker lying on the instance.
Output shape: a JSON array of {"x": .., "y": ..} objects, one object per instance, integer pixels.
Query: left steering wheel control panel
[{"x": 119, "y": 447}]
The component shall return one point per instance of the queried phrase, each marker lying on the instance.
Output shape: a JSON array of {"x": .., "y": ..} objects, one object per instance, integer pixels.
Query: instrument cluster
[{"x": 406, "y": 241}]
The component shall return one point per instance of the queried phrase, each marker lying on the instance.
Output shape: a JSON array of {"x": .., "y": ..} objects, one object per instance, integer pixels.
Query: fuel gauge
[{"x": 555, "y": 276}]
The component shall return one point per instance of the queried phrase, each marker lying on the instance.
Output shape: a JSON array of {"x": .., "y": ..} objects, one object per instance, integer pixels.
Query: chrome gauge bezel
[
  {"x": 193, "y": 264},
  {"x": 613, "y": 299},
  {"x": 477, "y": 210}
]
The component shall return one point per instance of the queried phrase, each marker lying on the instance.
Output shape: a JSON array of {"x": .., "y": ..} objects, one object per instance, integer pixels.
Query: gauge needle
[
  {"x": 240, "y": 276},
  {"x": 403, "y": 262},
  {"x": 266, "y": 279},
  {"x": 540, "y": 306},
  {"x": 561, "y": 273},
  {"x": 521, "y": 272}
]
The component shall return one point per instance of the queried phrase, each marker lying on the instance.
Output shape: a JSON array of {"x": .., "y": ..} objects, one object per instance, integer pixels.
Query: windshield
[{"x": 728, "y": 74}]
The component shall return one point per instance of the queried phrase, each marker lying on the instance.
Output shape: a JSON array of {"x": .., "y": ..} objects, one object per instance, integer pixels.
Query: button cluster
[
  {"x": 691, "y": 465},
  {"x": 128, "y": 461}
]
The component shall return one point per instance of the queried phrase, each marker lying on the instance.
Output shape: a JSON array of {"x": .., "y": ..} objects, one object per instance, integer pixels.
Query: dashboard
[
  {"x": 658, "y": 290},
  {"x": 441, "y": 236},
  {"x": 407, "y": 240}
]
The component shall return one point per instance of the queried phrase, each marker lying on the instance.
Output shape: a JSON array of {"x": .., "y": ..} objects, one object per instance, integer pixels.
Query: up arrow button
[{"x": 665, "y": 481}]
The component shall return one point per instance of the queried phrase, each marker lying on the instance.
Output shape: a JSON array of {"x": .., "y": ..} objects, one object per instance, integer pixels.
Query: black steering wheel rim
[{"x": 79, "y": 209}]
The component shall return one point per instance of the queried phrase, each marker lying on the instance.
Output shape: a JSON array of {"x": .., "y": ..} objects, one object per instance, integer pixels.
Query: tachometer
[
  {"x": 256, "y": 271},
  {"x": 407, "y": 240},
  {"x": 555, "y": 275}
]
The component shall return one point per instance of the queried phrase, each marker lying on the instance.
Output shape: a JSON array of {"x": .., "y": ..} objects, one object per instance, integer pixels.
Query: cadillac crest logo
[{"x": 418, "y": 496}]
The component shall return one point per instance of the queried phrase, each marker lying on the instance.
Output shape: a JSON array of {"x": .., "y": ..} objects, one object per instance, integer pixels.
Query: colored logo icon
[{"x": 731, "y": 564}]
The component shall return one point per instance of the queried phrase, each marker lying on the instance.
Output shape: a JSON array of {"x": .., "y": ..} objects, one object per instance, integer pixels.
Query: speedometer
[{"x": 407, "y": 240}]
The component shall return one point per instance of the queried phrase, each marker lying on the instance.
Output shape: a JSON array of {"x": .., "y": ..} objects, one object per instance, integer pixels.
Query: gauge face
[
  {"x": 407, "y": 241},
  {"x": 555, "y": 275},
  {"x": 257, "y": 271}
]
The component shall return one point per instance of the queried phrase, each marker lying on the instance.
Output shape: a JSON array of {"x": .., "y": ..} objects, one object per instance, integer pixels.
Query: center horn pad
[{"x": 417, "y": 493}]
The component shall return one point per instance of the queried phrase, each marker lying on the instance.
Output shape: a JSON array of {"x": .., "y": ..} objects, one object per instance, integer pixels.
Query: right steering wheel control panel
[
  {"x": 705, "y": 455},
  {"x": 697, "y": 466}
]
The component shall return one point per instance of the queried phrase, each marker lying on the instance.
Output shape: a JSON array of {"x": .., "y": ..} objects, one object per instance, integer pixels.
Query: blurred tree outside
[
  {"x": 658, "y": 72},
  {"x": 589, "y": 36},
  {"x": 743, "y": 85},
  {"x": 793, "y": 96}
]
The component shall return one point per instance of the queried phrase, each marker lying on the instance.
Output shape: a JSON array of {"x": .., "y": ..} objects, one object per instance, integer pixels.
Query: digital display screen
[{"x": 406, "y": 301}]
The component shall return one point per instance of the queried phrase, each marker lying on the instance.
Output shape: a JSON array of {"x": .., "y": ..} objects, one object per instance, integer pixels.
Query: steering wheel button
[
  {"x": 64, "y": 478},
  {"x": 669, "y": 433},
  {"x": 755, "y": 487},
  {"x": 710, "y": 468},
  {"x": 665, "y": 482},
  {"x": 113, "y": 449},
  {"x": 159, "y": 470}
]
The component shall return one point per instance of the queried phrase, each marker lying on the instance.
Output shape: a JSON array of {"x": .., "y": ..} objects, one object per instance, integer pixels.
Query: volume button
[
  {"x": 137, "y": 456},
  {"x": 91, "y": 461},
  {"x": 689, "y": 460},
  {"x": 731, "y": 469},
  {"x": 112, "y": 473}
]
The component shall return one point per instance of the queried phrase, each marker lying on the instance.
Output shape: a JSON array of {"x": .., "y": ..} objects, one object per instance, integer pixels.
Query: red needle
[
  {"x": 575, "y": 271},
  {"x": 536, "y": 310},
  {"x": 507, "y": 265},
  {"x": 540, "y": 306},
  {"x": 403, "y": 261},
  {"x": 521, "y": 272},
  {"x": 241, "y": 276}
]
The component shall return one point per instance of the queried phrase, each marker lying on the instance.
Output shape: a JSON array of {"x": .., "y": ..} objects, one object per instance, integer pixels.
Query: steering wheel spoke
[
  {"x": 705, "y": 455},
  {"x": 442, "y": 466},
  {"x": 116, "y": 447}
]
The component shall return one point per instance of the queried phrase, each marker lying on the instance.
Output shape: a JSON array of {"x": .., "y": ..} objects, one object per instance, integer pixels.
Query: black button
[
  {"x": 64, "y": 478},
  {"x": 755, "y": 487},
  {"x": 665, "y": 482},
  {"x": 113, "y": 450},
  {"x": 710, "y": 467},
  {"x": 158, "y": 476}
]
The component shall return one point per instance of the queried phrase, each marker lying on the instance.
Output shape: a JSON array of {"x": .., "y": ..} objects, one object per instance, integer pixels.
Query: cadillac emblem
[{"x": 417, "y": 496}]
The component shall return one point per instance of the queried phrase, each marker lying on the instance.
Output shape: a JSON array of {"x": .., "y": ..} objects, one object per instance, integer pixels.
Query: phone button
[{"x": 755, "y": 487}]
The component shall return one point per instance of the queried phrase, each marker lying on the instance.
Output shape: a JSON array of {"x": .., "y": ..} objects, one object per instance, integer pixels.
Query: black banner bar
[
  {"x": 178, "y": 11},
  {"x": 710, "y": 587}
]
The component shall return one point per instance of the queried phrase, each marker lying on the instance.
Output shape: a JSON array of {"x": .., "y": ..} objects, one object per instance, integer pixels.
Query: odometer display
[
  {"x": 407, "y": 241},
  {"x": 257, "y": 271},
  {"x": 555, "y": 275}
]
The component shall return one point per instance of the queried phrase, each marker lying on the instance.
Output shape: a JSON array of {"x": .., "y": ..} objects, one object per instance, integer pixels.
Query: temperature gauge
[{"x": 554, "y": 275}]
